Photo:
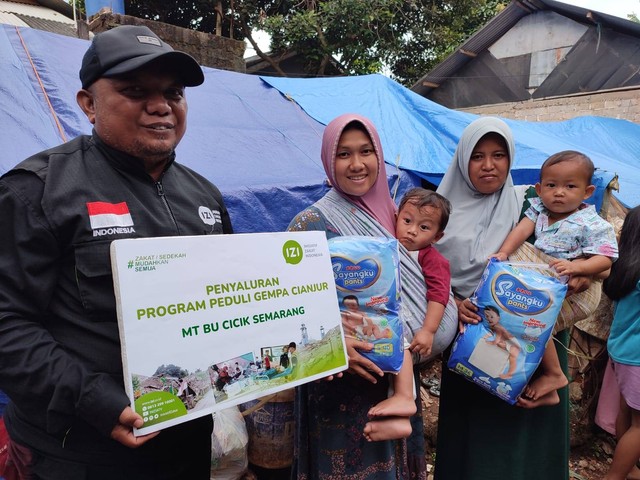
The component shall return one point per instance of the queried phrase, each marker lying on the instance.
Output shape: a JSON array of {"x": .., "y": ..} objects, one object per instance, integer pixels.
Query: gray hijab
[{"x": 479, "y": 223}]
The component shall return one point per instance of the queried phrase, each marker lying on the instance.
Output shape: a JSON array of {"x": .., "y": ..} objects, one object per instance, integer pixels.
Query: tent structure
[{"x": 258, "y": 138}]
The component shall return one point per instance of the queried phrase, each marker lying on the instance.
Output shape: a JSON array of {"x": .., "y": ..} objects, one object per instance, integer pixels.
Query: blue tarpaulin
[
  {"x": 258, "y": 138},
  {"x": 422, "y": 135}
]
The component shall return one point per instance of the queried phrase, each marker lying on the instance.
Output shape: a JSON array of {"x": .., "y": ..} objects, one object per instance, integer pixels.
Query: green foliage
[
  {"x": 432, "y": 30},
  {"x": 79, "y": 5},
  {"x": 354, "y": 31},
  {"x": 194, "y": 14},
  {"x": 408, "y": 37},
  {"x": 633, "y": 16}
]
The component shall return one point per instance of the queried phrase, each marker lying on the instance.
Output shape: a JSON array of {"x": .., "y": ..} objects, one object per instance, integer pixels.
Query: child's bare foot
[
  {"x": 549, "y": 399},
  {"x": 389, "y": 428},
  {"x": 544, "y": 384},
  {"x": 394, "y": 406},
  {"x": 505, "y": 376}
]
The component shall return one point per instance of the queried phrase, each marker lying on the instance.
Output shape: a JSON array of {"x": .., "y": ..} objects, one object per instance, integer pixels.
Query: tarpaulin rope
[{"x": 44, "y": 91}]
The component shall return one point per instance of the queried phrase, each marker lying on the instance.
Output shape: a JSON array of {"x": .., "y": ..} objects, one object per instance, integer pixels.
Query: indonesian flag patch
[{"x": 107, "y": 215}]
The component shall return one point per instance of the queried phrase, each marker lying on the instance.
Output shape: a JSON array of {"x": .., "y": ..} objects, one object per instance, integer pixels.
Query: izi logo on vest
[
  {"x": 208, "y": 216},
  {"x": 109, "y": 218}
]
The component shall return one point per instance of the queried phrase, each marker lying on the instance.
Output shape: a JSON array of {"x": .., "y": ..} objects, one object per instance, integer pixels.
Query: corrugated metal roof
[
  {"x": 37, "y": 10},
  {"x": 11, "y": 19},
  {"x": 504, "y": 21},
  {"x": 50, "y": 25},
  {"x": 478, "y": 42},
  {"x": 585, "y": 15},
  {"x": 291, "y": 63},
  {"x": 25, "y": 2},
  {"x": 58, "y": 5}
]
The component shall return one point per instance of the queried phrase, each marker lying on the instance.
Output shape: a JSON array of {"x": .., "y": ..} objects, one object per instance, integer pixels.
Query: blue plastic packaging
[
  {"x": 519, "y": 304},
  {"x": 366, "y": 271}
]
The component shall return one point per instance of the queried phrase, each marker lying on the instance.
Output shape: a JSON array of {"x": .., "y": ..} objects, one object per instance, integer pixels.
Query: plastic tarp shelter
[
  {"x": 258, "y": 138},
  {"x": 261, "y": 150},
  {"x": 421, "y": 135}
]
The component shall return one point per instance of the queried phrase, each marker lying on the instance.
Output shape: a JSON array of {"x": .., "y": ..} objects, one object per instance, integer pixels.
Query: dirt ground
[{"x": 591, "y": 447}]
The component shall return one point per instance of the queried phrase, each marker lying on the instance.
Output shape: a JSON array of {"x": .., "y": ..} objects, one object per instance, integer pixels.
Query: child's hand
[
  {"x": 564, "y": 267},
  {"x": 499, "y": 256},
  {"x": 422, "y": 343}
]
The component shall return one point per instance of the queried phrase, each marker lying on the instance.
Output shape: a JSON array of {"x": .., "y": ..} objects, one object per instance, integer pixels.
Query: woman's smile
[{"x": 356, "y": 163}]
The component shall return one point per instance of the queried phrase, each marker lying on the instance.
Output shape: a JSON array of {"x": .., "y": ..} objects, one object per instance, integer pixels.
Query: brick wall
[
  {"x": 209, "y": 50},
  {"x": 619, "y": 103}
]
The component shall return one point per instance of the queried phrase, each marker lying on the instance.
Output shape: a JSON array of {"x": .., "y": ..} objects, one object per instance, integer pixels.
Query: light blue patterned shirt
[{"x": 583, "y": 233}]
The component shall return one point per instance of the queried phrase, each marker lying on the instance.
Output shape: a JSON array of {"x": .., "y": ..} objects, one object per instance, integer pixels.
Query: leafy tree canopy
[
  {"x": 408, "y": 37},
  {"x": 198, "y": 15}
]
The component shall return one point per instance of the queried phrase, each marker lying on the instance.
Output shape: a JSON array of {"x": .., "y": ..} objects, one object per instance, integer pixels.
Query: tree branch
[{"x": 259, "y": 52}]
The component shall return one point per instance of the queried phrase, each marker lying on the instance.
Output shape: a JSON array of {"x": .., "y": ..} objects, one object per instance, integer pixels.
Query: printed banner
[{"x": 208, "y": 322}]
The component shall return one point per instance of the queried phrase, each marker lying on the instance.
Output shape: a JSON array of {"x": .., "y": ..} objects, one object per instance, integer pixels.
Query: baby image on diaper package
[
  {"x": 366, "y": 271},
  {"x": 519, "y": 306}
]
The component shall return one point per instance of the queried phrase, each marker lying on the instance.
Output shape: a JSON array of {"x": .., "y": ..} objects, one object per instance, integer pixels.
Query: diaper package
[
  {"x": 366, "y": 271},
  {"x": 519, "y": 304}
]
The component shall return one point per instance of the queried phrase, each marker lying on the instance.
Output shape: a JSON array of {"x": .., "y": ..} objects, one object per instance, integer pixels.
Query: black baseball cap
[{"x": 129, "y": 47}]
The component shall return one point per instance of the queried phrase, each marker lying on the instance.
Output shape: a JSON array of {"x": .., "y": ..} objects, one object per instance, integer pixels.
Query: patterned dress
[{"x": 330, "y": 417}]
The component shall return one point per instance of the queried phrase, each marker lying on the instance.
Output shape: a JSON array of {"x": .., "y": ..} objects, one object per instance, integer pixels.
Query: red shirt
[{"x": 437, "y": 275}]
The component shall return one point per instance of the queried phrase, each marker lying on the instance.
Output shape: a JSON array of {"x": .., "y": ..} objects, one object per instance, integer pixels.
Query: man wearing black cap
[{"x": 60, "y": 361}]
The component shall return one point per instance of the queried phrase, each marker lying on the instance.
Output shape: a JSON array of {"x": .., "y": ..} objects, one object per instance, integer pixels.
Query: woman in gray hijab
[
  {"x": 481, "y": 437},
  {"x": 485, "y": 207}
]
